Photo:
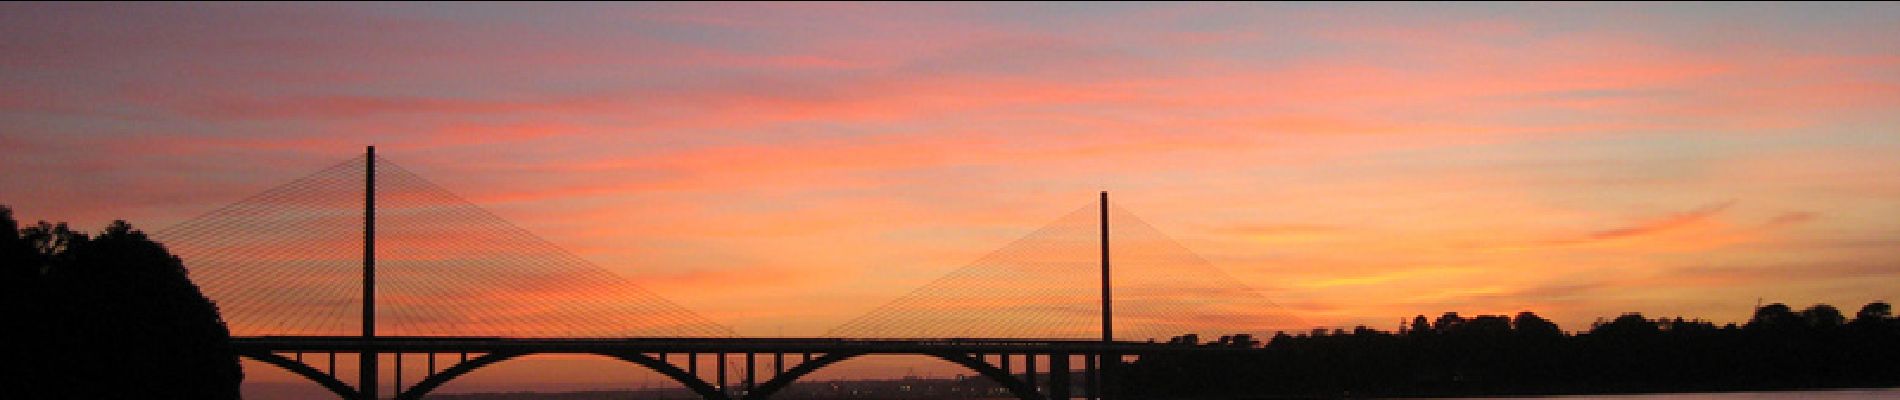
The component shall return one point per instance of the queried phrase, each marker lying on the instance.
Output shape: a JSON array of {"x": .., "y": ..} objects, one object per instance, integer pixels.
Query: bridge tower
[
  {"x": 1108, "y": 314},
  {"x": 367, "y": 369},
  {"x": 1108, "y": 324}
]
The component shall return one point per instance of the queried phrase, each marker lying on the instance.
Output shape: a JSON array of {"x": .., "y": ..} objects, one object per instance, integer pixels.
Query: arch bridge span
[{"x": 1030, "y": 369}]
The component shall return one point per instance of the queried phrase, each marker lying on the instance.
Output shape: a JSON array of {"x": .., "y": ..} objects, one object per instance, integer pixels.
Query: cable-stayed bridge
[{"x": 368, "y": 264}]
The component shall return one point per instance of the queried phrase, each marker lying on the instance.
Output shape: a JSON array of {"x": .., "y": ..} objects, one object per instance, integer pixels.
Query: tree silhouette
[
  {"x": 1627, "y": 326},
  {"x": 1873, "y": 313},
  {"x": 1448, "y": 322},
  {"x": 1420, "y": 326},
  {"x": 1774, "y": 316},
  {"x": 112, "y": 316},
  {"x": 1530, "y": 325},
  {"x": 22, "y": 266},
  {"x": 1823, "y": 316},
  {"x": 1482, "y": 356}
]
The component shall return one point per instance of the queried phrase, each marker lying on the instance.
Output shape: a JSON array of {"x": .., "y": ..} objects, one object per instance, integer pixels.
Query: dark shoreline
[
  {"x": 1778, "y": 349},
  {"x": 590, "y": 394},
  {"x": 1763, "y": 391}
]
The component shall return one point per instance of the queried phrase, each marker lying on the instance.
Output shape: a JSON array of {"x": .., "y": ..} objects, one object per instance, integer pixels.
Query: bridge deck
[{"x": 434, "y": 344}]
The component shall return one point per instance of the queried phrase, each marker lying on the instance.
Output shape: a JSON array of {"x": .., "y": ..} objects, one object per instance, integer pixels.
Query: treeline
[
  {"x": 111, "y": 316},
  {"x": 1451, "y": 355}
]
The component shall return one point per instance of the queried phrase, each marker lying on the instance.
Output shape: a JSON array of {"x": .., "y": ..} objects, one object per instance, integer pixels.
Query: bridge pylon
[
  {"x": 367, "y": 368},
  {"x": 1108, "y": 310}
]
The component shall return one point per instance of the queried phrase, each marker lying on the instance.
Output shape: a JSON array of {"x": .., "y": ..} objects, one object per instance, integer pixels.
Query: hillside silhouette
[
  {"x": 1778, "y": 348},
  {"x": 107, "y": 317}
]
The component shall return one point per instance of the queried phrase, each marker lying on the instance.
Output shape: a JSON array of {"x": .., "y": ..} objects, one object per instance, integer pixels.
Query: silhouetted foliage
[
  {"x": 1774, "y": 317},
  {"x": 1420, "y": 326},
  {"x": 1874, "y": 314},
  {"x": 1823, "y": 316},
  {"x": 1497, "y": 355},
  {"x": 109, "y": 317},
  {"x": 1528, "y": 324}
]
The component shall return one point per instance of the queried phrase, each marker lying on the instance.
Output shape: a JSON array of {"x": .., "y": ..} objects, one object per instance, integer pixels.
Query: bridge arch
[
  {"x": 1015, "y": 386},
  {"x": 342, "y": 390},
  {"x": 691, "y": 382}
]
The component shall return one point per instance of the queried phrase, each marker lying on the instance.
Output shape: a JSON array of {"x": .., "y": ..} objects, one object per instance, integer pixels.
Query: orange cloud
[{"x": 1673, "y": 222}]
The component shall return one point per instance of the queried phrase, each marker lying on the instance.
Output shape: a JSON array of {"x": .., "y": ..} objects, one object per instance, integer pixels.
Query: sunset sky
[{"x": 780, "y": 169}]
